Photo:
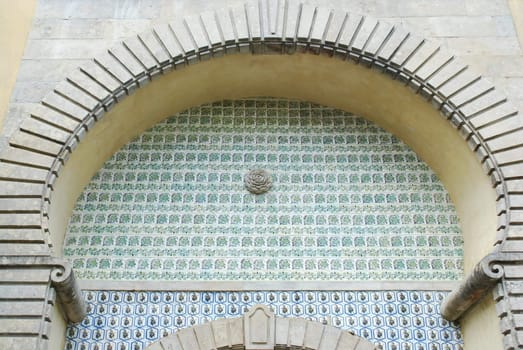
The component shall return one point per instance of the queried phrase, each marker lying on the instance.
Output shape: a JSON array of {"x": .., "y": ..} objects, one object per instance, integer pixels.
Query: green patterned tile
[{"x": 349, "y": 202}]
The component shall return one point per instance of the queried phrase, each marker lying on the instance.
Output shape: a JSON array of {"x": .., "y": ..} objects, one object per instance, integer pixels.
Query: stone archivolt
[{"x": 40, "y": 149}]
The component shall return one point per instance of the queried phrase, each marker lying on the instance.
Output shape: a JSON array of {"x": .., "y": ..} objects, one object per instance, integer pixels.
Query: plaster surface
[{"x": 15, "y": 24}]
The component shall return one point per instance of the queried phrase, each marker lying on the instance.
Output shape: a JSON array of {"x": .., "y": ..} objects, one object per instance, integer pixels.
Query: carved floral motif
[{"x": 258, "y": 181}]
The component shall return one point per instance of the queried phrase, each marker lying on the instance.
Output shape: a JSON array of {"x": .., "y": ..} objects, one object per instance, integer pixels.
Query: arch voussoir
[{"x": 282, "y": 333}]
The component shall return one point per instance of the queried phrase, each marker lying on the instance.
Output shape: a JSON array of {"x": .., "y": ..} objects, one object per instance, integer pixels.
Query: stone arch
[
  {"x": 51, "y": 141},
  {"x": 259, "y": 329}
]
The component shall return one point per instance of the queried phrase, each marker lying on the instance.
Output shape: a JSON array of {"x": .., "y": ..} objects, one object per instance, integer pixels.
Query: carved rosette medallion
[{"x": 258, "y": 181}]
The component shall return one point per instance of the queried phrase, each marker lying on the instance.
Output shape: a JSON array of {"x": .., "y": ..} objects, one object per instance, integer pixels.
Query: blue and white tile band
[{"x": 396, "y": 320}]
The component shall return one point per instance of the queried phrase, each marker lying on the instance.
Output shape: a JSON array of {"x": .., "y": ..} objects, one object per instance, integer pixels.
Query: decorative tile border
[
  {"x": 214, "y": 286},
  {"x": 396, "y": 320},
  {"x": 349, "y": 201}
]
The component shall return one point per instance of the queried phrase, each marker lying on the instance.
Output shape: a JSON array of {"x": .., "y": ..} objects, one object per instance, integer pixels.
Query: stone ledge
[{"x": 272, "y": 285}]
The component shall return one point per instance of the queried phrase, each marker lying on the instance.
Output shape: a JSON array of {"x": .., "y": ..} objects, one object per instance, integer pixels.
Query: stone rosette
[{"x": 258, "y": 181}]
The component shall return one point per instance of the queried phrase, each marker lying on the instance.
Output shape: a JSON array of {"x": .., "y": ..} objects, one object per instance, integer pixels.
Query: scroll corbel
[
  {"x": 68, "y": 292},
  {"x": 474, "y": 287}
]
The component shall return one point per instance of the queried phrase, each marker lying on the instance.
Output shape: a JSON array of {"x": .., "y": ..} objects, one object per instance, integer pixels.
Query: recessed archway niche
[
  {"x": 319, "y": 79},
  {"x": 452, "y": 118}
]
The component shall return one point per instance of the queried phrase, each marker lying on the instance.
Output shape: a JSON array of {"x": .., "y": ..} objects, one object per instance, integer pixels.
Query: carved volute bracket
[
  {"x": 68, "y": 292},
  {"x": 480, "y": 281},
  {"x": 61, "y": 279}
]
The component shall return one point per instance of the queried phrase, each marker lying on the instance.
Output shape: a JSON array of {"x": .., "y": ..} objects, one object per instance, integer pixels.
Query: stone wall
[{"x": 66, "y": 34}]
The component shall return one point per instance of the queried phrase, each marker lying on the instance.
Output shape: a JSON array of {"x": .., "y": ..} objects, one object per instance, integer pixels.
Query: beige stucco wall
[
  {"x": 15, "y": 24},
  {"x": 516, "y": 10}
]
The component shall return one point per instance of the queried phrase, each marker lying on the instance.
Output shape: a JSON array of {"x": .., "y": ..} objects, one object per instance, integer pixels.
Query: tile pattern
[
  {"x": 349, "y": 202},
  {"x": 406, "y": 320}
]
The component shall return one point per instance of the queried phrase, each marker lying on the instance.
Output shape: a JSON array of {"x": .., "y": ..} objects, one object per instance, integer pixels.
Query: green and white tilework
[{"x": 349, "y": 201}]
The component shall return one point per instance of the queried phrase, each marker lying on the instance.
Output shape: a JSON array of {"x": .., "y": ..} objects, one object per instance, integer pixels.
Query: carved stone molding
[
  {"x": 259, "y": 324},
  {"x": 485, "y": 275},
  {"x": 62, "y": 279},
  {"x": 68, "y": 292}
]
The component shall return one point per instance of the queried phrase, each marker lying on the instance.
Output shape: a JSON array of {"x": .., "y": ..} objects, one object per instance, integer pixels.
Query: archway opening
[{"x": 342, "y": 85}]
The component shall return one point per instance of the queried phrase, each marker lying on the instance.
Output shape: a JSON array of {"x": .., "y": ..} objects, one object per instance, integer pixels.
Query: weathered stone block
[
  {"x": 507, "y": 141},
  {"x": 470, "y": 92},
  {"x": 405, "y": 50},
  {"x": 435, "y": 63},
  {"x": 21, "y": 156},
  {"x": 421, "y": 56}
]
